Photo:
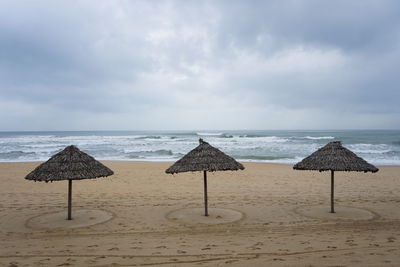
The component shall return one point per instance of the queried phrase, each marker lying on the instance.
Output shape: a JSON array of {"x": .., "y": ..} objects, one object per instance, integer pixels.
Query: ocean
[{"x": 377, "y": 147}]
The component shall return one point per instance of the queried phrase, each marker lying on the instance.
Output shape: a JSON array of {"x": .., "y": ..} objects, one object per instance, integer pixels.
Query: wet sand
[{"x": 266, "y": 215}]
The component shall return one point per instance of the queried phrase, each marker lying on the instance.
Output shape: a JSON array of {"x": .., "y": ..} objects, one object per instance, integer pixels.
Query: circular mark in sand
[
  {"x": 196, "y": 216},
  {"x": 341, "y": 213},
  {"x": 80, "y": 218}
]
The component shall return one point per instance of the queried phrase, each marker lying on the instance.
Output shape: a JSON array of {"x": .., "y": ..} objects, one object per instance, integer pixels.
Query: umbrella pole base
[
  {"x": 332, "y": 192},
  {"x": 205, "y": 195},
  {"x": 69, "y": 200}
]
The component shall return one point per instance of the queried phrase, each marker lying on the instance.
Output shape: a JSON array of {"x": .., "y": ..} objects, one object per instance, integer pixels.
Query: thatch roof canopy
[
  {"x": 334, "y": 157},
  {"x": 69, "y": 164},
  {"x": 205, "y": 158}
]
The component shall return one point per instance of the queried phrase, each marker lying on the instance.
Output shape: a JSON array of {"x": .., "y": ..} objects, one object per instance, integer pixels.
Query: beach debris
[{"x": 334, "y": 157}]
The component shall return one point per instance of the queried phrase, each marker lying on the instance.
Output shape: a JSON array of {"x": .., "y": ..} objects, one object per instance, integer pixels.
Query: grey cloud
[
  {"x": 348, "y": 25},
  {"x": 199, "y": 61}
]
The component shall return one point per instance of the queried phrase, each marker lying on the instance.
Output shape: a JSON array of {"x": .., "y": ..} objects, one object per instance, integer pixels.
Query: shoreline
[{"x": 171, "y": 162}]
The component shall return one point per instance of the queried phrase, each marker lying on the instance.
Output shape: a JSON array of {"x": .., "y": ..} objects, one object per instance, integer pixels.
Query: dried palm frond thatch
[
  {"x": 69, "y": 164},
  {"x": 334, "y": 157},
  {"x": 205, "y": 158}
]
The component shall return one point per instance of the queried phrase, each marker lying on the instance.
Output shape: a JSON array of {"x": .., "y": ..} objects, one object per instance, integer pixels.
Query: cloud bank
[{"x": 175, "y": 65}]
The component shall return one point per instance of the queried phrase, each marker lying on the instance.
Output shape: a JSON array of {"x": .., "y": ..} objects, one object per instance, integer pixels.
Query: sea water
[{"x": 377, "y": 147}]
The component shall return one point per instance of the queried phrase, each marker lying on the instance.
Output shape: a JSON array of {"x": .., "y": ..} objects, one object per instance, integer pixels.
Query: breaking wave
[
  {"x": 319, "y": 137},
  {"x": 263, "y": 146}
]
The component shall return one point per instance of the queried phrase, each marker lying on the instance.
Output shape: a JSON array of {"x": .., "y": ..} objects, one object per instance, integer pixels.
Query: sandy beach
[{"x": 266, "y": 215}]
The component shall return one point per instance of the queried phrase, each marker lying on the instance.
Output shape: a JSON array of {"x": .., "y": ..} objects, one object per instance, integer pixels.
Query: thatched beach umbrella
[
  {"x": 205, "y": 158},
  {"x": 69, "y": 164},
  {"x": 334, "y": 157}
]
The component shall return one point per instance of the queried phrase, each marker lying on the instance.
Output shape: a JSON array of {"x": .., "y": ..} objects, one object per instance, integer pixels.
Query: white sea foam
[
  {"x": 209, "y": 134},
  {"x": 319, "y": 137},
  {"x": 370, "y": 148},
  {"x": 276, "y": 146}
]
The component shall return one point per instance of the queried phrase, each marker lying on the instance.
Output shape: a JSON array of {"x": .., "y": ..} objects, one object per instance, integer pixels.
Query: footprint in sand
[
  {"x": 284, "y": 250},
  {"x": 256, "y": 246},
  {"x": 90, "y": 261},
  {"x": 349, "y": 242},
  {"x": 391, "y": 239}
]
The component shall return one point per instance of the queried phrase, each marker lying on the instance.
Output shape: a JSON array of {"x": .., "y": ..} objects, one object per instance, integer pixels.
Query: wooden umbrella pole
[
  {"x": 69, "y": 199},
  {"x": 332, "y": 192},
  {"x": 205, "y": 194}
]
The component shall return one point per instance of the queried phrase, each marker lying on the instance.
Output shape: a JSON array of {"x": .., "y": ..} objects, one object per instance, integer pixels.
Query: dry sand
[{"x": 266, "y": 215}]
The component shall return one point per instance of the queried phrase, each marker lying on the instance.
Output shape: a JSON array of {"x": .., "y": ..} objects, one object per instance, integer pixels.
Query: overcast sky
[{"x": 186, "y": 65}]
